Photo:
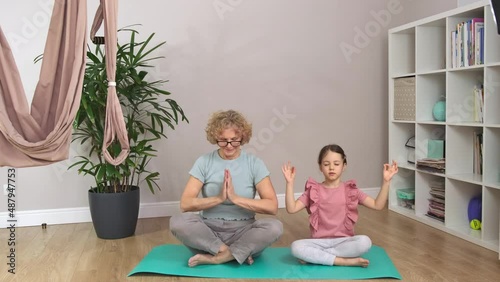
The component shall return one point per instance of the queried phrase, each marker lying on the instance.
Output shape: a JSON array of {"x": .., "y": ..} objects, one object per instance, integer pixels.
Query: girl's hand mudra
[
  {"x": 390, "y": 170},
  {"x": 289, "y": 172}
]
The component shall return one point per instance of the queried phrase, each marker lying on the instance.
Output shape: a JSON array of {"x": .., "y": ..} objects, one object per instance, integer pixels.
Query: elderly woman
[{"x": 228, "y": 178}]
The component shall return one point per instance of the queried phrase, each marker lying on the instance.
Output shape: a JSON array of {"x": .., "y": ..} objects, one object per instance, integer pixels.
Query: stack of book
[
  {"x": 467, "y": 43},
  {"x": 431, "y": 165},
  {"x": 436, "y": 201}
]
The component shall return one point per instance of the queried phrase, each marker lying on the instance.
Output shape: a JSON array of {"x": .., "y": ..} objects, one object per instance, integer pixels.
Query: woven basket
[{"x": 404, "y": 98}]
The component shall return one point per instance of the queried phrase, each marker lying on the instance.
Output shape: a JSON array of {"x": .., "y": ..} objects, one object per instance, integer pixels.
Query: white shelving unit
[{"x": 422, "y": 49}]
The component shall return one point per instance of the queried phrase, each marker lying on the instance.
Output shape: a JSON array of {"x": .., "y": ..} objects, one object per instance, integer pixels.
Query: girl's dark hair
[{"x": 331, "y": 148}]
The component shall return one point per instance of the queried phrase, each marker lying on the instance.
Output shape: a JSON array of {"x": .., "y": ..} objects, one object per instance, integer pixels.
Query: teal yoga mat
[{"x": 273, "y": 263}]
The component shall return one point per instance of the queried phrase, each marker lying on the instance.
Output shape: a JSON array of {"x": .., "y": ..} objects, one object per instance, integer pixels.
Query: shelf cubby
[
  {"x": 491, "y": 210},
  {"x": 426, "y": 132},
  {"x": 492, "y": 95},
  {"x": 431, "y": 46},
  {"x": 405, "y": 179},
  {"x": 402, "y": 49},
  {"x": 459, "y": 153},
  {"x": 458, "y": 195},
  {"x": 424, "y": 182},
  {"x": 460, "y": 94},
  {"x": 430, "y": 89},
  {"x": 491, "y": 157},
  {"x": 399, "y": 151},
  {"x": 491, "y": 39}
]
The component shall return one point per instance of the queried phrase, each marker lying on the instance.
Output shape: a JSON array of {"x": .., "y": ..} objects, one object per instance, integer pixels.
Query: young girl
[{"x": 332, "y": 207}]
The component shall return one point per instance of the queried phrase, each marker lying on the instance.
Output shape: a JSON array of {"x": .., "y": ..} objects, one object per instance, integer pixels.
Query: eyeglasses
[{"x": 223, "y": 143}]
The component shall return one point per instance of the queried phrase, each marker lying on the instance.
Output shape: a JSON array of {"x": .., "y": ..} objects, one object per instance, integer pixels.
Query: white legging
[{"x": 324, "y": 251}]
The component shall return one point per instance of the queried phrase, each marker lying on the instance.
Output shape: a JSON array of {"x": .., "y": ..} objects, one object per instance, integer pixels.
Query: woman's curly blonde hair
[{"x": 221, "y": 120}]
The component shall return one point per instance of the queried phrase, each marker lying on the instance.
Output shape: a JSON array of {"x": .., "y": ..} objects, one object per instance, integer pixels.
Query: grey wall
[
  {"x": 306, "y": 73},
  {"x": 465, "y": 2}
]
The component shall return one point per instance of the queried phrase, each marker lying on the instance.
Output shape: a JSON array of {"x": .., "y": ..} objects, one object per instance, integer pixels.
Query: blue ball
[
  {"x": 475, "y": 208},
  {"x": 439, "y": 111}
]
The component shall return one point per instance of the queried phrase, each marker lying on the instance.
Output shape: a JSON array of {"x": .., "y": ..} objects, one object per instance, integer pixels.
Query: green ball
[
  {"x": 475, "y": 224},
  {"x": 439, "y": 111}
]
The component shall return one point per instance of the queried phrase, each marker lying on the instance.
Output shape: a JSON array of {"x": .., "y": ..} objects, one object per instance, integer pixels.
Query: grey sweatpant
[
  {"x": 324, "y": 251},
  {"x": 243, "y": 237}
]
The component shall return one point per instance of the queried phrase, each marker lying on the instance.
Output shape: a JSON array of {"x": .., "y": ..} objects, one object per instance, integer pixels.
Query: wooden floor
[{"x": 72, "y": 252}]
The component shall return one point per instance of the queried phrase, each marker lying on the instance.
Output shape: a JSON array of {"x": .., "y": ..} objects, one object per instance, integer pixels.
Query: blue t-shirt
[{"x": 246, "y": 171}]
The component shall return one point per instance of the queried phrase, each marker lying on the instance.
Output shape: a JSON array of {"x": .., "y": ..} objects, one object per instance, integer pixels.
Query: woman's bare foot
[
  {"x": 351, "y": 262},
  {"x": 219, "y": 258},
  {"x": 250, "y": 260},
  {"x": 302, "y": 262},
  {"x": 200, "y": 259}
]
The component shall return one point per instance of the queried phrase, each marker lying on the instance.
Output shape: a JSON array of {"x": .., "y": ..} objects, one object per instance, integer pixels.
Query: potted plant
[{"x": 148, "y": 112}]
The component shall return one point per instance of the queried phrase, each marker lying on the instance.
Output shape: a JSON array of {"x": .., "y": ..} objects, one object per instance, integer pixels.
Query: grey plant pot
[{"x": 114, "y": 215}]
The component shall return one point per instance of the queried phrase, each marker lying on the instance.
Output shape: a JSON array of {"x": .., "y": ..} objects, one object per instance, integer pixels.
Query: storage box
[
  {"x": 404, "y": 98},
  {"x": 406, "y": 198},
  {"x": 435, "y": 149}
]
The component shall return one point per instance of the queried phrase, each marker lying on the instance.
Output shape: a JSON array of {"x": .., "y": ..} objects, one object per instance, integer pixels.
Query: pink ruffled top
[{"x": 332, "y": 211}]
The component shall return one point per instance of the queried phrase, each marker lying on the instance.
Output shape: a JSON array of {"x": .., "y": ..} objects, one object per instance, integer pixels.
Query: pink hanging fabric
[
  {"x": 43, "y": 136},
  {"x": 114, "y": 124}
]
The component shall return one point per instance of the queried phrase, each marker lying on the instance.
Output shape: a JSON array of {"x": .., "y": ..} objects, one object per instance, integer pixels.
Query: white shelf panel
[
  {"x": 467, "y": 177},
  {"x": 430, "y": 122},
  {"x": 403, "y": 121},
  {"x": 495, "y": 64},
  {"x": 492, "y": 125},
  {"x": 406, "y": 165},
  {"x": 493, "y": 185},
  {"x": 469, "y": 124},
  {"x": 438, "y": 71},
  {"x": 465, "y": 69},
  {"x": 431, "y": 173},
  {"x": 400, "y": 75},
  {"x": 465, "y": 231}
]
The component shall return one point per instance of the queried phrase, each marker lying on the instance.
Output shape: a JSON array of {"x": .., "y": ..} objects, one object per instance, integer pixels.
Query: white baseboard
[
  {"x": 49, "y": 216},
  {"x": 161, "y": 209},
  {"x": 78, "y": 215}
]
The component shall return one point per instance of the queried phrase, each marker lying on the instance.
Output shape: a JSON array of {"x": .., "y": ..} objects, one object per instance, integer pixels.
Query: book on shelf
[
  {"x": 467, "y": 43},
  {"x": 478, "y": 27},
  {"x": 477, "y": 165},
  {"x": 478, "y": 97}
]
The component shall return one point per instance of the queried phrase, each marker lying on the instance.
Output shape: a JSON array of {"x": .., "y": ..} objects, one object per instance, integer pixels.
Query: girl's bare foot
[
  {"x": 302, "y": 262},
  {"x": 351, "y": 262},
  {"x": 250, "y": 260}
]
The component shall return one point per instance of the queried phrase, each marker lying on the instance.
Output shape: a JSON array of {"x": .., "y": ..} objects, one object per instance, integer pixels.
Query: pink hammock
[{"x": 43, "y": 136}]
